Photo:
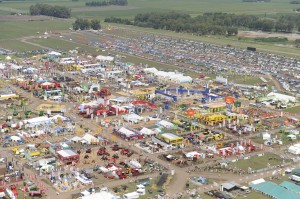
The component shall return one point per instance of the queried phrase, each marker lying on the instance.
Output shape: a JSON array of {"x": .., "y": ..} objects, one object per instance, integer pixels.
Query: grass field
[
  {"x": 257, "y": 162},
  {"x": 59, "y": 44},
  {"x": 295, "y": 109},
  {"x": 17, "y": 29},
  {"x": 193, "y": 7},
  {"x": 17, "y": 45}
]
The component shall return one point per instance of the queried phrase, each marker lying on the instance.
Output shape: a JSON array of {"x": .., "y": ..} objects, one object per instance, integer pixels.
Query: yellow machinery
[
  {"x": 15, "y": 149},
  {"x": 34, "y": 153},
  {"x": 144, "y": 94},
  {"x": 177, "y": 122}
]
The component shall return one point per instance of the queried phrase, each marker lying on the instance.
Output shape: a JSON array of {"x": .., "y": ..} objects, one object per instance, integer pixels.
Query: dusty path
[{"x": 275, "y": 82}]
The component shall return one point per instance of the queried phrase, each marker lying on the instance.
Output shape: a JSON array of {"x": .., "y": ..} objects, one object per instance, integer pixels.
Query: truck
[{"x": 295, "y": 178}]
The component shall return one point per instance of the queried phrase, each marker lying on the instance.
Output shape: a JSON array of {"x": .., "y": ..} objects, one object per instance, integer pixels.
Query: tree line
[
  {"x": 210, "y": 23},
  {"x": 256, "y": 0},
  {"x": 84, "y": 24},
  {"x": 295, "y": 2},
  {"x": 49, "y": 10},
  {"x": 107, "y": 3}
]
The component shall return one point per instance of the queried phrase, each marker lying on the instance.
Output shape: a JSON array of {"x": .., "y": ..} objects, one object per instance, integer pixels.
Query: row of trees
[
  {"x": 84, "y": 24},
  {"x": 211, "y": 23},
  {"x": 295, "y": 2},
  {"x": 118, "y": 20},
  {"x": 49, "y": 10},
  {"x": 107, "y": 3},
  {"x": 256, "y": 0}
]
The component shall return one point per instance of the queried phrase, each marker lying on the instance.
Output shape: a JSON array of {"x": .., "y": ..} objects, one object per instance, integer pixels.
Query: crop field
[
  {"x": 193, "y": 7},
  {"x": 17, "y": 29},
  {"x": 17, "y": 45},
  {"x": 24, "y": 26}
]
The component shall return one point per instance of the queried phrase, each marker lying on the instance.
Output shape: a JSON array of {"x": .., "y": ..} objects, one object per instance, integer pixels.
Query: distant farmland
[{"x": 23, "y": 26}]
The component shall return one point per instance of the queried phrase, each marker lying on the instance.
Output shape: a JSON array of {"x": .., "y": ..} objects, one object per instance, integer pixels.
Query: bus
[{"x": 8, "y": 96}]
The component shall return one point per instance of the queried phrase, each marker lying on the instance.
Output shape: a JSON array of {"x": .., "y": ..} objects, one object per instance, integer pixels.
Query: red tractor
[
  {"x": 126, "y": 152},
  {"x": 38, "y": 193},
  {"x": 116, "y": 148},
  {"x": 135, "y": 172},
  {"x": 13, "y": 188},
  {"x": 121, "y": 174},
  {"x": 109, "y": 176},
  {"x": 104, "y": 92},
  {"x": 101, "y": 151}
]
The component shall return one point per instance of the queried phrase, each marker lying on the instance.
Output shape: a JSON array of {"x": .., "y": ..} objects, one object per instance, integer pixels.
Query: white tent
[
  {"x": 132, "y": 118},
  {"x": 127, "y": 132},
  {"x": 258, "y": 181},
  {"x": 88, "y": 138},
  {"x": 283, "y": 98},
  {"x": 15, "y": 138},
  {"x": 150, "y": 70},
  {"x": 37, "y": 121},
  {"x": 54, "y": 53},
  {"x": 165, "y": 124},
  {"x": 266, "y": 136},
  {"x": 104, "y": 58},
  {"x": 101, "y": 194},
  {"x": 146, "y": 131}
]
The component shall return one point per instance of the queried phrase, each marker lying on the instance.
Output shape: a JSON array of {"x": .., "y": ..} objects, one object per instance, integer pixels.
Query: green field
[
  {"x": 17, "y": 29},
  {"x": 295, "y": 109},
  {"x": 59, "y": 44},
  {"x": 257, "y": 162},
  {"x": 17, "y": 45},
  {"x": 193, "y": 7}
]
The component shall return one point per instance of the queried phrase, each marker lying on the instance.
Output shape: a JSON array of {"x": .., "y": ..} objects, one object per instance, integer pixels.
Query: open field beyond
[{"x": 194, "y": 7}]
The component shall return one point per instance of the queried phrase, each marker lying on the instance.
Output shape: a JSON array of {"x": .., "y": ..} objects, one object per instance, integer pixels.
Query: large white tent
[
  {"x": 146, "y": 131},
  {"x": 38, "y": 121},
  {"x": 105, "y": 58},
  {"x": 283, "y": 98},
  {"x": 165, "y": 124},
  {"x": 89, "y": 139}
]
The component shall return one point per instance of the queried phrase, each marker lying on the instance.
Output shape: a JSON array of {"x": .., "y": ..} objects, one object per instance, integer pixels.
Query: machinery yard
[{"x": 125, "y": 114}]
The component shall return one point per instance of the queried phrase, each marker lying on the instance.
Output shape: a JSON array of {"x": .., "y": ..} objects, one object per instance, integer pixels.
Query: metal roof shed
[
  {"x": 275, "y": 191},
  {"x": 291, "y": 186}
]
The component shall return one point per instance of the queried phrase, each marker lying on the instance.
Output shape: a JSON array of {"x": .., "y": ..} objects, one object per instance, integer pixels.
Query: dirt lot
[{"x": 253, "y": 34}]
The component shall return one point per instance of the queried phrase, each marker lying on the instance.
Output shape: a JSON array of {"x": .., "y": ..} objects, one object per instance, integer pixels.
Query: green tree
[
  {"x": 95, "y": 24},
  {"x": 82, "y": 24}
]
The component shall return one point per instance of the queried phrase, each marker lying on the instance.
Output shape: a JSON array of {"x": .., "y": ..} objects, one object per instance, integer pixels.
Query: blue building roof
[
  {"x": 273, "y": 190},
  {"x": 291, "y": 186}
]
